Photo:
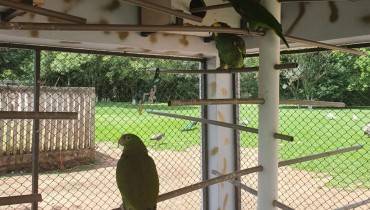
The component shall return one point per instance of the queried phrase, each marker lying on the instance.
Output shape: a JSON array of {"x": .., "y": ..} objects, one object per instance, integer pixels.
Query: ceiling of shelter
[{"x": 337, "y": 22}]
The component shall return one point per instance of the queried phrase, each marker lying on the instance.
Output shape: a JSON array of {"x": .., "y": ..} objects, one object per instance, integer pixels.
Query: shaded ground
[{"x": 94, "y": 186}]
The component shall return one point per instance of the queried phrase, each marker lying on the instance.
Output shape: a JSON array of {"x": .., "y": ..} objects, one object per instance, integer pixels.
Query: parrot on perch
[
  {"x": 136, "y": 175},
  {"x": 258, "y": 16},
  {"x": 231, "y": 48}
]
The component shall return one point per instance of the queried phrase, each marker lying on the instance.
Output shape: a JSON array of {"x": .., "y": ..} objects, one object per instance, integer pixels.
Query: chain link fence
[{"x": 111, "y": 94}]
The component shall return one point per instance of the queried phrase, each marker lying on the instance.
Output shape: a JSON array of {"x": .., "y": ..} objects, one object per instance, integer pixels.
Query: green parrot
[
  {"x": 136, "y": 175},
  {"x": 258, "y": 16},
  {"x": 231, "y": 48}
]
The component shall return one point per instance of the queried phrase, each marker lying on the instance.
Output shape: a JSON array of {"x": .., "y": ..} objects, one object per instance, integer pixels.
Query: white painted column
[
  {"x": 220, "y": 141},
  {"x": 268, "y": 114}
]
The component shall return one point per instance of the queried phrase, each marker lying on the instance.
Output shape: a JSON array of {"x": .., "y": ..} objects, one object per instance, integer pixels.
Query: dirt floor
[{"x": 93, "y": 186}]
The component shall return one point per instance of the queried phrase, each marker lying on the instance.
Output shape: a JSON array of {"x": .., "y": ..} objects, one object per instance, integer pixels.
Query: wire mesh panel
[
  {"x": 16, "y": 72},
  {"x": 110, "y": 95},
  {"x": 328, "y": 183}
]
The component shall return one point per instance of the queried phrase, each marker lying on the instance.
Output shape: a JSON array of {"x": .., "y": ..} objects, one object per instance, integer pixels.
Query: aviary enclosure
[{"x": 287, "y": 131}]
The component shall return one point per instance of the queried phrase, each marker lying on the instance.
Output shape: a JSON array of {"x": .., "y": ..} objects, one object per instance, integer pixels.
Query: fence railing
[{"x": 61, "y": 141}]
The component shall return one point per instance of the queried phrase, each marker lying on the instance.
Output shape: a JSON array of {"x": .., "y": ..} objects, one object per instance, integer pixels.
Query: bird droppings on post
[
  {"x": 213, "y": 87},
  {"x": 123, "y": 35},
  {"x": 214, "y": 151},
  {"x": 153, "y": 38},
  {"x": 34, "y": 33},
  {"x": 224, "y": 92},
  {"x": 226, "y": 141},
  {"x": 184, "y": 41},
  {"x": 226, "y": 199},
  {"x": 221, "y": 116}
]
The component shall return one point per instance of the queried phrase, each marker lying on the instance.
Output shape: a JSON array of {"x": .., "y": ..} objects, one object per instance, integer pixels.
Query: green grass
[{"x": 313, "y": 133}]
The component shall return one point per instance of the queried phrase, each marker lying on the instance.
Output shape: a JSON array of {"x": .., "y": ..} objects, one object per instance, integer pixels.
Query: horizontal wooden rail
[
  {"x": 252, "y": 191},
  {"x": 218, "y": 123},
  {"x": 42, "y": 11},
  {"x": 312, "y": 103},
  {"x": 165, "y": 10},
  {"x": 38, "y": 115},
  {"x": 194, "y": 102},
  {"x": 11, "y": 200},
  {"x": 229, "y": 71},
  {"x": 324, "y": 45},
  {"x": 121, "y": 27}
]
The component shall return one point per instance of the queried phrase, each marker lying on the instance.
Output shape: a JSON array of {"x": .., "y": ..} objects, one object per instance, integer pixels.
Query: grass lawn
[{"x": 315, "y": 130}]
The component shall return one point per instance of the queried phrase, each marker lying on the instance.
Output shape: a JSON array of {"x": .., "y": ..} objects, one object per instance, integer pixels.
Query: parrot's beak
[{"x": 121, "y": 141}]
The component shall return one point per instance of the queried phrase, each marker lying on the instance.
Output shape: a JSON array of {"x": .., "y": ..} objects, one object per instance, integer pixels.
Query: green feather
[
  {"x": 136, "y": 175},
  {"x": 258, "y": 16},
  {"x": 231, "y": 50}
]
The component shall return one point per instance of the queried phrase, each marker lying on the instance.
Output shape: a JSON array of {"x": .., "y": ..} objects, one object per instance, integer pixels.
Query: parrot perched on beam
[
  {"x": 258, "y": 16},
  {"x": 231, "y": 48},
  {"x": 136, "y": 175}
]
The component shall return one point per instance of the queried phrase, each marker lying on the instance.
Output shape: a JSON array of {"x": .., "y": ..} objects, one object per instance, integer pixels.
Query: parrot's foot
[{"x": 208, "y": 39}]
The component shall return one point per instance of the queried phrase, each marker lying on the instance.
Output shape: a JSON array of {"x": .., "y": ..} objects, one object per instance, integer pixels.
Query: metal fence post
[{"x": 36, "y": 128}]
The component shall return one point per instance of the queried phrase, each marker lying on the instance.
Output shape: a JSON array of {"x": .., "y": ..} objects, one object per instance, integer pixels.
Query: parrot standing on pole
[
  {"x": 258, "y": 16},
  {"x": 231, "y": 48},
  {"x": 136, "y": 175}
]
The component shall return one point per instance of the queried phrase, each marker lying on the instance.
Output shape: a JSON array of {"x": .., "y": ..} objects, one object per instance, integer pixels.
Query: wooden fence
[{"x": 62, "y": 142}]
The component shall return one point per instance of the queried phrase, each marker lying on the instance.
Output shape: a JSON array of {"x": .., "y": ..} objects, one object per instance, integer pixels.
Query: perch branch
[
  {"x": 38, "y": 115},
  {"x": 252, "y": 191},
  {"x": 207, "y": 183},
  {"x": 229, "y": 71},
  {"x": 218, "y": 123},
  {"x": 42, "y": 11},
  {"x": 324, "y": 45},
  {"x": 165, "y": 10},
  {"x": 121, "y": 27},
  {"x": 313, "y": 103},
  {"x": 215, "y": 101},
  {"x": 354, "y": 205},
  {"x": 11, "y": 200},
  {"x": 319, "y": 155},
  {"x": 244, "y": 172}
]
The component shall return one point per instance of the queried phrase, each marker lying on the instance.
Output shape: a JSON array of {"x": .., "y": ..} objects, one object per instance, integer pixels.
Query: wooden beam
[
  {"x": 42, "y": 11},
  {"x": 207, "y": 183},
  {"x": 121, "y": 27},
  {"x": 313, "y": 103},
  {"x": 11, "y": 200},
  {"x": 218, "y": 123},
  {"x": 324, "y": 45},
  {"x": 228, "y": 5},
  {"x": 229, "y": 71},
  {"x": 252, "y": 191},
  {"x": 165, "y": 10},
  {"x": 38, "y": 115},
  {"x": 195, "y": 102}
]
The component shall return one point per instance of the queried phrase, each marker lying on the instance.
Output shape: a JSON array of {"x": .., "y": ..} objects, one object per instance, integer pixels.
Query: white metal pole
[
  {"x": 220, "y": 145},
  {"x": 268, "y": 114}
]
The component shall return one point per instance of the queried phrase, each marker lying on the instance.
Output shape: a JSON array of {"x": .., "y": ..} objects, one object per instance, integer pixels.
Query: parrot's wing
[
  {"x": 138, "y": 182},
  {"x": 240, "y": 45}
]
